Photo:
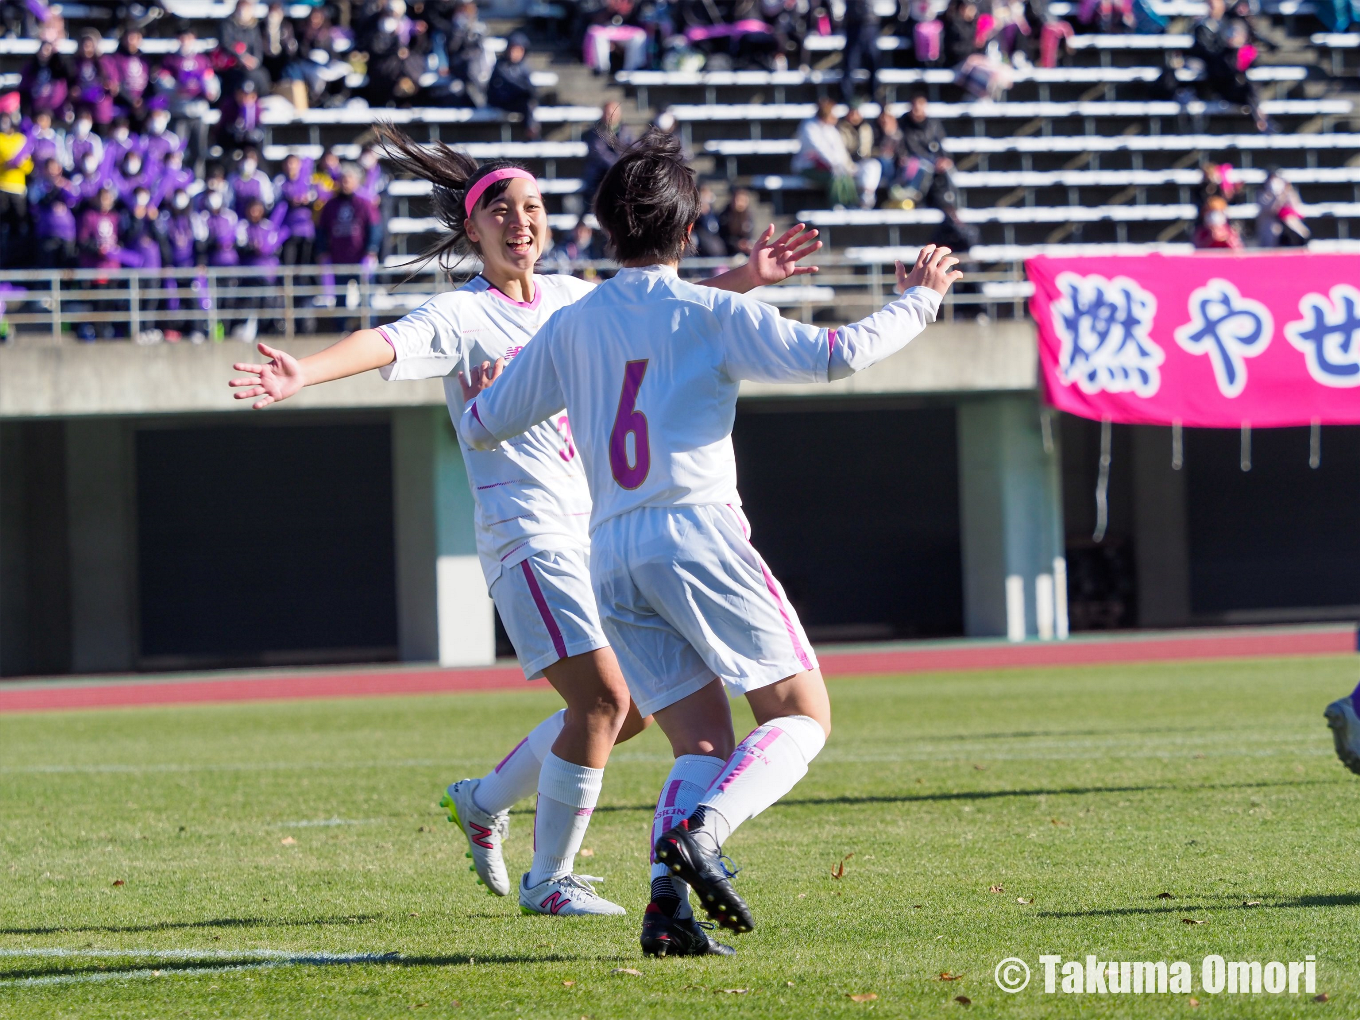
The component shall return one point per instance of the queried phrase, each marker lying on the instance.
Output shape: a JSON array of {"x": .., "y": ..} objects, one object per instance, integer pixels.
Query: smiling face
[{"x": 510, "y": 231}]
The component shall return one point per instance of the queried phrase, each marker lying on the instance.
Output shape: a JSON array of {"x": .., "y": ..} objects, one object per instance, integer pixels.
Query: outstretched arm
[
  {"x": 361, "y": 351},
  {"x": 867, "y": 342},
  {"x": 772, "y": 260}
]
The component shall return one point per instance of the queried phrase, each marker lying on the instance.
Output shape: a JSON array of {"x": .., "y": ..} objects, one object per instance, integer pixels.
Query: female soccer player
[
  {"x": 532, "y": 504},
  {"x": 648, "y": 367}
]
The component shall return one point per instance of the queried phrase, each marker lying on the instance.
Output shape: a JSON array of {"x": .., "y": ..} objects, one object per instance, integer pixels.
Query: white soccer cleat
[
  {"x": 1341, "y": 717},
  {"x": 485, "y": 834},
  {"x": 569, "y": 896}
]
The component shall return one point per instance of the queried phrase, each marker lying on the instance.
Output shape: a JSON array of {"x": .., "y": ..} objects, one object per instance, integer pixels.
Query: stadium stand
[{"x": 1103, "y": 142}]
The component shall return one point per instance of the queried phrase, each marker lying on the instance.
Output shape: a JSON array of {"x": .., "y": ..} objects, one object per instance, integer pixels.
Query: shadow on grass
[
  {"x": 926, "y": 798},
  {"x": 216, "y": 922},
  {"x": 1181, "y": 909},
  {"x": 245, "y": 962}
]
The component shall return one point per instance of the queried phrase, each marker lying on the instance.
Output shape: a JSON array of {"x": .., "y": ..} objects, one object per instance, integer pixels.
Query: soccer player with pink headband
[{"x": 532, "y": 505}]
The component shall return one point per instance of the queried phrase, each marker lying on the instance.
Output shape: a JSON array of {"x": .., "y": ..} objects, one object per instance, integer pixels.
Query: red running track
[{"x": 1241, "y": 643}]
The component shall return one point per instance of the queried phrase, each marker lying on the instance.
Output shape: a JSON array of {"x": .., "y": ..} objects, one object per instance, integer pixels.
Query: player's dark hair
[
  {"x": 648, "y": 201},
  {"x": 452, "y": 174}
]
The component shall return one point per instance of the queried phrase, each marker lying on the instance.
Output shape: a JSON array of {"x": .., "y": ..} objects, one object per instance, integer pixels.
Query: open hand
[
  {"x": 276, "y": 381},
  {"x": 479, "y": 377},
  {"x": 933, "y": 269},
  {"x": 774, "y": 261}
]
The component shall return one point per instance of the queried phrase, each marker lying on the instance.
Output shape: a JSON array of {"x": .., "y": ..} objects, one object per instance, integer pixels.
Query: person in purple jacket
[
  {"x": 348, "y": 231},
  {"x": 214, "y": 183},
  {"x": 220, "y": 225},
  {"x": 47, "y": 143},
  {"x": 91, "y": 177},
  {"x": 94, "y": 78},
  {"x": 183, "y": 235},
  {"x": 120, "y": 142},
  {"x": 52, "y": 199},
  {"x": 159, "y": 141},
  {"x": 83, "y": 141},
  {"x": 172, "y": 178},
  {"x": 250, "y": 182},
  {"x": 137, "y": 234},
  {"x": 293, "y": 211},
  {"x": 97, "y": 242},
  {"x": 258, "y": 242},
  {"x": 132, "y": 80},
  {"x": 44, "y": 81},
  {"x": 133, "y": 174}
]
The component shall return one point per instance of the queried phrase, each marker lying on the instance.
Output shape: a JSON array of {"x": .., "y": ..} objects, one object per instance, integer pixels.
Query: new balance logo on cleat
[
  {"x": 485, "y": 835},
  {"x": 568, "y": 896}
]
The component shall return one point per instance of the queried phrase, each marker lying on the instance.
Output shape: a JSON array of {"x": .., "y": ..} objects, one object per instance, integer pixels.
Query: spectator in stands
[
  {"x": 349, "y": 229},
  {"x": 132, "y": 81},
  {"x": 43, "y": 84},
  {"x": 511, "y": 87},
  {"x": 1218, "y": 41},
  {"x": 616, "y": 25},
  {"x": 396, "y": 53},
  {"x": 240, "y": 125},
  {"x": 94, "y": 78},
  {"x": 605, "y": 141},
  {"x": 15, "y": 166},
  {"x": 97, "y": 243},
  {"x": 241, "y": 44},
  {"x": 133, "y": 175},
  {"x": 83, "y": 141},
  {"x": 215, "y": 183},
  {"x": 925, "y": 173},
  {"x": 47, "y": 141},
  {"x": 857, "y": 134},
  {"x": 1280, "y": 223},
  {"x": 708, "y": 242},
  {"x": 280, "y": 45},
  {"x": 159, "y": 141},
  {"x": 189, "y": 77},
  {"x": 293, "y": 212},
  {"x": 138, "y": 237},
  {"x": 737, "y": 226},
  {"x": 183, "y": 237},
  {"x": 173, "y": 177},
  {"x": 822, "y": 158},
  {"x": 861, "y": 46},
  {"x": 51, "y": 202},
  {"x": 119, "y": 142},
  {"x": 259, "y": 241},
  {"x": 468, "y": 57},
  {"x": 581, "y": 245},
  {"x": 250, "y": 183},
  {"x": 1215, "y": 229},
  {"x": 965, "y": 40}
]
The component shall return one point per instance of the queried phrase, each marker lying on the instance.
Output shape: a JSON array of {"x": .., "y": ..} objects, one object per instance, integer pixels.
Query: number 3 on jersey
[{"x": 630, "y": 421}]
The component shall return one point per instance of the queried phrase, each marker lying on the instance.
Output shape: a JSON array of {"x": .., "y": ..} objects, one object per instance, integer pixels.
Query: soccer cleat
[
  {"x": 664, "y": 935},
  {"x": 568, "y": 896},
  {"x": 485, "y": 835},
  {"x": 1341, "y": 717},
  {"x": 703, "y": 869}
]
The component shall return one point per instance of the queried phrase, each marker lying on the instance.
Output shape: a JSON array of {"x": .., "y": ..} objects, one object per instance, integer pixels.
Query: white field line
[{"x": 251, "y": 959}]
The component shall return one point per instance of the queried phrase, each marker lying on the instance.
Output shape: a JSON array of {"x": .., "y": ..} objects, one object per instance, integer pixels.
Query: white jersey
[
  {"x": 649, "y": 368},
  {"x": 530, "y": 491}
]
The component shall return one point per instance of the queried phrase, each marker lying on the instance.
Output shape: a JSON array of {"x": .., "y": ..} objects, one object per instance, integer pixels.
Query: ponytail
[{"x": 452, "y": 174}]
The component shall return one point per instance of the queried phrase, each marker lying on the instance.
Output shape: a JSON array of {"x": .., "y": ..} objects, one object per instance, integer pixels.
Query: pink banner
[{"x": 1206, "y": 340}]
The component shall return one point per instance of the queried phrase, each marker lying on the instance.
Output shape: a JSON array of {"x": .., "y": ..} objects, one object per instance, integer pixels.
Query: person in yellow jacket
[{"x": 15, "y": 166}]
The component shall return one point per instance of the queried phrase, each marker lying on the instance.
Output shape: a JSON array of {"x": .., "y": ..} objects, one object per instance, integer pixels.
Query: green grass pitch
[{"x": 166, "y": 852}]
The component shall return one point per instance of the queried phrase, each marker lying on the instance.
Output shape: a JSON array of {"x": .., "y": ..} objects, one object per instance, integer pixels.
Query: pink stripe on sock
[
  {"x": 788, "y": 623},
  {"x": 511, "y": 754},
  {"x": 774, "y": 734},
  {"x": 559, "y": 645},
  {"x": 667, "y": 803}
]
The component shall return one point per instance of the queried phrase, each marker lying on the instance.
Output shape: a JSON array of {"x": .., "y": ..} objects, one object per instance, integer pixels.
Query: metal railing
[{"x": 225, "y": 302}]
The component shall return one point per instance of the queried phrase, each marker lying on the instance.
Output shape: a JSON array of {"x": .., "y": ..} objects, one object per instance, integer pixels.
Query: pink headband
[{"x": 508, "y": 173}]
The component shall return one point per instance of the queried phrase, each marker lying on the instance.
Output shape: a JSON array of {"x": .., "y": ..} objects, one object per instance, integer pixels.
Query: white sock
[
  {"x": 763, "y": 768},
  {"x": 690, "y": 778},
  {"x": 517, "y": 775},
  {"x": 566, "y": 798}
]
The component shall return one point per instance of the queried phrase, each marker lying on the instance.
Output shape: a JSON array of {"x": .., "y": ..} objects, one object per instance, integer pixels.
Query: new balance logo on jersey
[
  {"x": 554, "y": 903},
  {"x": 479, "y": 836}
]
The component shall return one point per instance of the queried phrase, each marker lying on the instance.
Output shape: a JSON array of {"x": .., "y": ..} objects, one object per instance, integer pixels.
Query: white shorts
[
  {"x": 548, "y": 608},
  {"x": 685, "y": 597}
]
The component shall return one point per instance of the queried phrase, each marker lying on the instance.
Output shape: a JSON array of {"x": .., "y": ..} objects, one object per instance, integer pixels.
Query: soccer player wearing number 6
[
  {"x": 648, "y": 368},
  {"x": 532, "y": 503}
]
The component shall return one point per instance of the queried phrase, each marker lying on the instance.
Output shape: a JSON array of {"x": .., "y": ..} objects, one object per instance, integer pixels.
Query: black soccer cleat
[
  {"x": 690, "y": 861},
  {"x": 664, "y": 935}
]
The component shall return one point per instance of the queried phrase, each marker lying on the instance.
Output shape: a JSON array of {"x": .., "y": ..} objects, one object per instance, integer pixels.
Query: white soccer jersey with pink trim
[
  {"x": 531, "y": 490},
  {"x": 649, "y": 368}
]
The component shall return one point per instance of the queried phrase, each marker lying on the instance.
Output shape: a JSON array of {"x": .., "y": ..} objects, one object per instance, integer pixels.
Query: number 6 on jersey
[{"x": 629, "y": 420}]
